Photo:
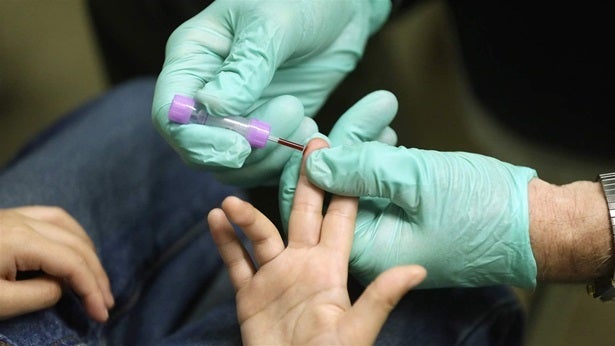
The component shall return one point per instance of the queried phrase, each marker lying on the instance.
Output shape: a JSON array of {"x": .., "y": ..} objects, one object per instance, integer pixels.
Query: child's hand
[
  {"x": 48, "y": 240},
  {"x": 298, "y": 293}
]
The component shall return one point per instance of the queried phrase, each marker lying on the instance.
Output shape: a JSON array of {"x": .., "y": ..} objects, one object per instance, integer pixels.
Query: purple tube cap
[
  {"x": 258, "y": 133},
  {"x": 181, "y": 109}
]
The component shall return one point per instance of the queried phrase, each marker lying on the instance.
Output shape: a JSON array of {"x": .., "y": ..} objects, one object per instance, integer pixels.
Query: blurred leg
[
  {"x": 456, "y": 316},
  {"x": 106, "y": 165}
]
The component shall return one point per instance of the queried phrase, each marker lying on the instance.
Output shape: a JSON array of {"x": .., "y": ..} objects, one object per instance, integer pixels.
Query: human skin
[
  {"x": 297, "y": 294},
  {"x": 47, "y": 239},
  {"x": 570, "y": 231}
]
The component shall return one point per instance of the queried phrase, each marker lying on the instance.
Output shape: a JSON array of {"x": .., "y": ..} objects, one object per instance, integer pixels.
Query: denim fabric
[
  {"x": 144, "y": 209},
  {"x": 141, "y": 205},
  {"x": 456, "y": 316}
]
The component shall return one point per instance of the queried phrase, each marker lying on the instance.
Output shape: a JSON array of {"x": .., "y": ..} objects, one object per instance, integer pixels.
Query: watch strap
[{"x": 604, "y": 287}]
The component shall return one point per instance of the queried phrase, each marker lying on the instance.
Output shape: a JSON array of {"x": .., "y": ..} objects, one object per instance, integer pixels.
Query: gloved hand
[
  {"x": 366, "y": 120},
  {"x": 228, "y": 154},
  {"x": 463, "y": 216},
  {"x": 236, "y": 55}
]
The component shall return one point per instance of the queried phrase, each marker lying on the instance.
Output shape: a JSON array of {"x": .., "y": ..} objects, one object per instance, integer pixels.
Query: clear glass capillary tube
[{"x": 186, "y": 110}]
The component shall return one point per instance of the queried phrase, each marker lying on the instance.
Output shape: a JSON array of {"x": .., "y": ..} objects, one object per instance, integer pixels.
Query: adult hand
[
  {"x": 366, "y": 120},
  {"x": 49, "y": 240},
  {"x": 298, "y": 295},
  {"x": 463, "y": 216},
  {"x": 235, "y": 56}
]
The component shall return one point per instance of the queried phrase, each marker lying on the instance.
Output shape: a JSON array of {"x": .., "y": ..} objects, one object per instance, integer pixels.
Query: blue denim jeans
[{"x": 144, "y": 209}]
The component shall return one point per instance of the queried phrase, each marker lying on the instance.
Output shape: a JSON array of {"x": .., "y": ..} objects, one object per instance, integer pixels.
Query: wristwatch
[{"x": 603, "y": 288}]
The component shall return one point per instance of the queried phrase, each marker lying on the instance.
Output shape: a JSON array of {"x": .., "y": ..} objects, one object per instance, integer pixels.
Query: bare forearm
[{"x": 570, "y": 231}]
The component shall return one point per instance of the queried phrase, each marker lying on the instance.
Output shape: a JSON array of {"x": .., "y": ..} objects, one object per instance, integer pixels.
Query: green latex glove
[
  {"x": 235, "y": 56},
  {"x": 463, "y": 216},
  {"x": 367, "y": 120}
]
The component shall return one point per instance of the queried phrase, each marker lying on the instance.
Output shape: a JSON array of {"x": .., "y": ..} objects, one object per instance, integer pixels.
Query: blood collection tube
[{"x": 186, "y": 110}]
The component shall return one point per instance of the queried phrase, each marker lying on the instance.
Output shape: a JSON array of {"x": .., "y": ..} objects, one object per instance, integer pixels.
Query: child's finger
[
  {"x": 306, "y": 214},
  {"x": 265, "y": 237},
  {"x": 339, "y": 223},
  {"x": 237, "y": 260}
]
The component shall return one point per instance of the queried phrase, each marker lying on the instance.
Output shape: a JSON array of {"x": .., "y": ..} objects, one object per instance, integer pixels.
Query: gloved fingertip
[
  {"x": 160, "y": 116},
  {"x": 384, "y": 98},
  {"x": 318, "y": 170},
  {"x": 388, "y": 136},
  {"x": 289, "y": 104}
]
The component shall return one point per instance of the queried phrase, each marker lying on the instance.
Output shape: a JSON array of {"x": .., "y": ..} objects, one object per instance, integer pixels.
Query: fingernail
[
  {"x": 105, "y": 315},
  {"x": 418, "y": 275},
  {"x": 110, "y": 301}
]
